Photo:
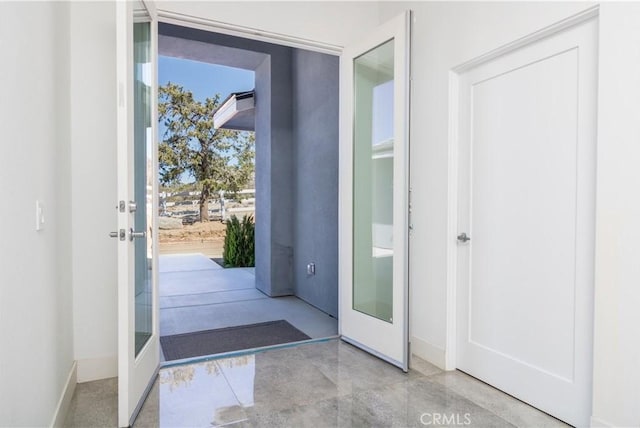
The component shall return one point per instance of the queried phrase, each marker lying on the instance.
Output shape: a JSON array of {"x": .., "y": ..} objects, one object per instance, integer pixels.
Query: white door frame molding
[
  {"x": 184, "y": 20},
  {"x": 453, "y": 168}
]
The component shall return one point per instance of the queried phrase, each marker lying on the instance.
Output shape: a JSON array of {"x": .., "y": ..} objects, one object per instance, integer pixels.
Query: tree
[{"x": 217, "y": 159}]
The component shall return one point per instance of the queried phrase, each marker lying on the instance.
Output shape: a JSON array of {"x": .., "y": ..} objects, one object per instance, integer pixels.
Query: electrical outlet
[{"x": 311, "y": 269}]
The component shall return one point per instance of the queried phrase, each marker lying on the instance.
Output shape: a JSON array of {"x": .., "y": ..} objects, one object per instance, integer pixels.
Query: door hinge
[{"x": 410, "y": 214}]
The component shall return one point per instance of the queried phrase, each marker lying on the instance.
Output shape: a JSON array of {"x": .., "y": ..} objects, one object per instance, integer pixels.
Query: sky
[{"x": 204, "y": 80}]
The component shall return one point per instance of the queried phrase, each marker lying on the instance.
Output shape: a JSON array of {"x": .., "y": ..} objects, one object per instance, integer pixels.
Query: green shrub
[{"x": 239, "y": 243}]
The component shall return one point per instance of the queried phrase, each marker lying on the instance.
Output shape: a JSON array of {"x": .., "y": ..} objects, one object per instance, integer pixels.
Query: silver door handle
[
  {"x": 133, "y": 234},
  {"x": 463, "y": 238}
]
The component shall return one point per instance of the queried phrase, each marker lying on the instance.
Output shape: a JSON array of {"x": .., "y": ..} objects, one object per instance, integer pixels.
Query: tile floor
[
  {"x": 196, "y": 294},
  {"x": 325, "y": 384}
]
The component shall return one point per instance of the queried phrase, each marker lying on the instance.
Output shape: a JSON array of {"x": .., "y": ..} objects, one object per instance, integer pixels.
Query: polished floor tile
[
  {"x": 352, "y": 370},
  {"x": 325, "y": 384},
  {"x": 328, "y": 384},
  {"x": 507, "y": 407}
]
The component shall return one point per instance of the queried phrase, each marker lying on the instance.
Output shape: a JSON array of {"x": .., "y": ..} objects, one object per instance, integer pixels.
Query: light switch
[{"x": 39, "y": 216}]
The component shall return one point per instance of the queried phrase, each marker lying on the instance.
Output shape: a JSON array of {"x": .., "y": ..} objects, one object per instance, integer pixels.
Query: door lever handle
[
  {"x": 133, "y": 234},
  {"x": 463, "y": 238}
]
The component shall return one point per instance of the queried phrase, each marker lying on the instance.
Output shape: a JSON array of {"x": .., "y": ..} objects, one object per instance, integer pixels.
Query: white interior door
[
  {"x": 527, "y": 201},
  {"x": 138, "y": 344},
  {"x": 374, "y": 177}
]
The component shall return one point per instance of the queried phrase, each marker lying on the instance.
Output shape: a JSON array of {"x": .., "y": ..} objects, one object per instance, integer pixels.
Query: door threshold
[{"x": 240, "y": 353}]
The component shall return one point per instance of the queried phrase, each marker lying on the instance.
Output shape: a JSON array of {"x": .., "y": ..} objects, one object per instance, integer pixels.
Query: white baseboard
[
  {"x": 62, "y": 408},
  {"x": 599, "y": 423},
  {"x": 428, "y": 352},
  {"x": 90, "y": 369}
]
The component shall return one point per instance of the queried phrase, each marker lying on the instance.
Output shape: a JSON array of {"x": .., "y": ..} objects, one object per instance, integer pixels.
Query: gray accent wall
[
  {"x": 315, "y": 136},
  {"x": 296, "y": 128},
  {"x": 274, "y": 163}
]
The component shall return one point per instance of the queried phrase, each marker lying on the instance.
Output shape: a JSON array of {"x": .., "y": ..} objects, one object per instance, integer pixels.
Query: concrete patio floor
[{"x": 197, "y": 294}]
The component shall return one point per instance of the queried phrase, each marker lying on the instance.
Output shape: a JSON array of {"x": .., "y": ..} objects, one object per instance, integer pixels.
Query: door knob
[
  {"x": 463, "y": 238},
  {"x": 133, "y": 234}
]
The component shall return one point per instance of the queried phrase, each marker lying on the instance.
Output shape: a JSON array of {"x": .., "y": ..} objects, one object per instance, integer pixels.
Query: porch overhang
[{"x": 236, "y": 112}]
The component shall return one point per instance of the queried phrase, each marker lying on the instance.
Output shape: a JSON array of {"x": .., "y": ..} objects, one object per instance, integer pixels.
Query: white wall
[
  {"x": 93, "y": 170},
  {"x": 616, "y": 389},
  {"x": 36, "y": 351}
]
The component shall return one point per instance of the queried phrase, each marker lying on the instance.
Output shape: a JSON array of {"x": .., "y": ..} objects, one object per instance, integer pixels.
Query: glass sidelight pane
[
  {"x": 143, "y": 184},
  {"x": 373, "y": 183}
]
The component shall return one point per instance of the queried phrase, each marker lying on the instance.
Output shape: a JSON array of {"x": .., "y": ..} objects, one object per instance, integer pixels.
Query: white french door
[
  {"x": 138, "y": 342},
  {"x": 374, "y": 183},
  {"x": 526, "y": 225}
]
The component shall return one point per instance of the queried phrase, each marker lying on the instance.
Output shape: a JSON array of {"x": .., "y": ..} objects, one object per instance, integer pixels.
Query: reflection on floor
[
  {"x": 323, "y": 384},
  {"x": 197, "y": 294}
]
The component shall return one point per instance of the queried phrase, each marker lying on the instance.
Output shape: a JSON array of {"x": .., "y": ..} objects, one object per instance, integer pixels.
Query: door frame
[
  {"x": 206, "y": 24},
  {"x": 187, "y": 22},
  {"x": 453, "y": 167}
]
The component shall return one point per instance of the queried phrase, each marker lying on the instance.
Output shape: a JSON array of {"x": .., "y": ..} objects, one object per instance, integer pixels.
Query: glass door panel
[
  {"x": 143, "y": 183},
  {"x": 373, "y": 182}
]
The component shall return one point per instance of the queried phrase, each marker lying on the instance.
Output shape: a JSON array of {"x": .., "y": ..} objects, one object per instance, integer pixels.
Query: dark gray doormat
[{"x": 207, "y": 342}]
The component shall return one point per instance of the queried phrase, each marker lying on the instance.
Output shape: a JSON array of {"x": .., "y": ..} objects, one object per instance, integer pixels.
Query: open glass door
[
  {"x": 374, "y": 187},
  {"x": 138, "y": 342}
]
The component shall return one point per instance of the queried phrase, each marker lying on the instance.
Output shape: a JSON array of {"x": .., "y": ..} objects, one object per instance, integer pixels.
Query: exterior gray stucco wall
[
  {"x": 274, "y": 162},
  {"x": 315, "y": 137},
  {"x": 296, "y": 165}
]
